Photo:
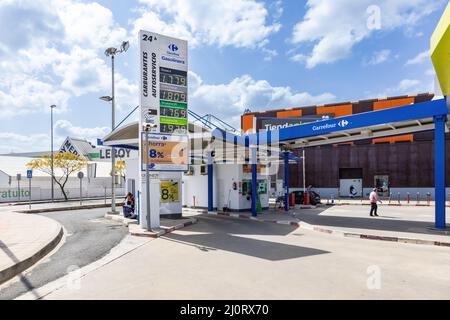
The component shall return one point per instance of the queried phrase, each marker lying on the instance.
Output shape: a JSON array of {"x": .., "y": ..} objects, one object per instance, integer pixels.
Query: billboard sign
[
  {"x": 164, "y": 152},
  {"x": 270, "y": 124},
  {"x": 163, "y": 88}
]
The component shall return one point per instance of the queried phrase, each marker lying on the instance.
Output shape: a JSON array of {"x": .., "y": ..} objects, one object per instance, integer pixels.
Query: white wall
[
  {"x": 195, "y": 186},
  {"x": 224, "y": 196},
  {"x": 325, "y": 193}
]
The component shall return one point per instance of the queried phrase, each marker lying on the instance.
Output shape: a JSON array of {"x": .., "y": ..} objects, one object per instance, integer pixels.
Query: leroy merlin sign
[{"x": 104, "y": 153}]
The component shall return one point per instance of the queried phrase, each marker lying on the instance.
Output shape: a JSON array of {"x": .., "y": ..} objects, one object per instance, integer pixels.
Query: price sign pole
[
  {"x": 163, "y": 121},
  {"x": 147, "y": 180}
]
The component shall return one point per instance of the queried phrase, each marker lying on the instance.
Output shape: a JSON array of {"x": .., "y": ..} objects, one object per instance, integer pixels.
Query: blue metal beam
[
  {"x": 416, "y": 111},
  {"x": 363, "y": 120},
  {"x": 439, "y": 171},
  {"x": 286, "y": 181},
  {"x": 254, "y": 181},
  {"x": 210, "y": 184},
  {"x": 124, "y": 146}
]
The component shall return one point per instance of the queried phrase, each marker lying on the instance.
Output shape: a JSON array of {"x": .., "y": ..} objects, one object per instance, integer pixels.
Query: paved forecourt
[{"x": 227, "y": 258}]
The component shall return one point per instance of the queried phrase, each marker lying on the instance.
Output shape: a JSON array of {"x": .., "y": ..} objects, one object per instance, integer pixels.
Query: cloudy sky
[{"x": 243, "y": 54}]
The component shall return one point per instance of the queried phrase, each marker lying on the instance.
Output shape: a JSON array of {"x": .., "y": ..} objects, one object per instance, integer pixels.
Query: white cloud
[
  {"x": 407, "y": 87},
  {"x": 419, "y": 59},
  {"x": 41, "y": 141},
  {"x": 57, "y": 54},
  {"x": 239, "y": 23},
  {"x": 64, "y": 128},
  {"x": 379, "y": 57},
  {"x": 21, "y": 95},
  {"x": 335, "y": 27},
  {"x": 89, "y": 24},
  {"x": 24, "y": 143},
  {"x": 228, "y": 101}
]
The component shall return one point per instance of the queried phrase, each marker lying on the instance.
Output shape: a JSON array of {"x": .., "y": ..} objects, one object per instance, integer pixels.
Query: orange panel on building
[
  {"x": 247, "y": 122},
  {"x": 289, "y": 114},
  {"x": 386, "y": 104},
  {"x": 406, "y": 137},
  {"x": 338, "y": 111}
]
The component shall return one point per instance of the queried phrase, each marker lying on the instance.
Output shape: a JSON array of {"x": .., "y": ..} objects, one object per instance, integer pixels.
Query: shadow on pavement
[
  {"x": 218, "y": 233},
  {"x": 392, "y": 224},
  {"x": 13, "y": 257}
]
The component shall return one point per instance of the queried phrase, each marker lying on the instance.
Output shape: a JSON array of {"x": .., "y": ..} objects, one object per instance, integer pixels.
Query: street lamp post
[
  {"x": 111, "y": 52},
  {"x": 51, "y": 152}
]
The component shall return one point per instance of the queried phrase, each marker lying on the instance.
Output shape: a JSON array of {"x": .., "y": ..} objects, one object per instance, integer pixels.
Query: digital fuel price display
[
  {"x": 171, "y": 76},
  {"x": 173, "y": 96},
  {"x": 173, "y": 112},
  {"x": 173, "y": 100}
]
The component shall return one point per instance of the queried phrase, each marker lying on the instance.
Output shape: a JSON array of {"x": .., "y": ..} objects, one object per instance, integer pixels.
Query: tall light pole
[
  {"x": 111, "y": 52},
  {"x": 51, "y": 151}
]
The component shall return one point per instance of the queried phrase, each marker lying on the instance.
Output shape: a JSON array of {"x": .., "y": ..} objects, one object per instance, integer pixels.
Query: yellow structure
[{"x": 440, "y": 51}]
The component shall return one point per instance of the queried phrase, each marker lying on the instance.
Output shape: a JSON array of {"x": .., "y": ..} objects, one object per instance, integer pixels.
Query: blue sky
[{"x": 243, "y": 54}]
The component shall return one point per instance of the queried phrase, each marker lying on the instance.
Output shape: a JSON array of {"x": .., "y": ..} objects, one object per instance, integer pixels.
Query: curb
[
  {"x": 135, "y": 230},
  {"x": 26, "y": 202},
  {"x": 21, "y": 266},
  {"x": 387, "y": 204},
  {"x": 138, "y": 232},
  {"x": 89, "y": 206},
  {"x": 119, "y": 218},
  {"x": 307, "y": 226}
]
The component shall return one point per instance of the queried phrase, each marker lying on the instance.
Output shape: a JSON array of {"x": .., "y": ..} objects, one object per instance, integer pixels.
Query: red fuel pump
[
  {"x": 306, "y": 198},
  {"x": 291, "y": 200}
]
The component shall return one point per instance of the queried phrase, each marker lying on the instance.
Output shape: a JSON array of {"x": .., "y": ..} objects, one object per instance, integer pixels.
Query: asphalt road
[{"x": 89, "y": 237}]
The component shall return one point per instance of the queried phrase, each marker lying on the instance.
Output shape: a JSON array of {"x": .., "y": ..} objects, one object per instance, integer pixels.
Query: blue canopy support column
[
  {"x": 254, "y": 181},
  {"x": 210, "y": 183},
  {"x": 439, "y": 170},
  {"x": 286, "y": 180}
]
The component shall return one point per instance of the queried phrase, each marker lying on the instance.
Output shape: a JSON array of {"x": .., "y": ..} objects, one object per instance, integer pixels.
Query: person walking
[{"x": 373, "y": 197}]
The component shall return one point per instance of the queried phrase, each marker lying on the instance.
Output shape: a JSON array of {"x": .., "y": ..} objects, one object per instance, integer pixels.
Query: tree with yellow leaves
[
  {"x": 120, "y": 168},
  {"x": 67, "y": 162}
]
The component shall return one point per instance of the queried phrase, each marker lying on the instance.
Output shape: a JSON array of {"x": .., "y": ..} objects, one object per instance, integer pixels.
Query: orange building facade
[{"x": 395, "y": 164}]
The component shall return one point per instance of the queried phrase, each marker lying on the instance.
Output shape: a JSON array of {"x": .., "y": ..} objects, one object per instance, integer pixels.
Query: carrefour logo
[
  {"x": 173, "y": 47},
  {"x": 327, "y": 126},
  {"x": 343, "y": 123}
]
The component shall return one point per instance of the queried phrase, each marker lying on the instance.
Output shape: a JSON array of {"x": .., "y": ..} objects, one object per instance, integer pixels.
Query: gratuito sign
[
  {"x": 169, "y": 191},
  {"x": 164, "y": 152}
]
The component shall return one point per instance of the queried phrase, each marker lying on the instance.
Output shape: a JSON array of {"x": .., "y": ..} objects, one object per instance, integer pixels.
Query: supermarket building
[{"x": 396, "y": 165}]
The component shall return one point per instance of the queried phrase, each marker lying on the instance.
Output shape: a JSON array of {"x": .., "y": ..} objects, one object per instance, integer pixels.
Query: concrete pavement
[
  {"x": 24, "y": 239},
  {"x": 89, "y": 236},
  {"x": 225, "y": 258},
  {"x": 406, "y": 224}
]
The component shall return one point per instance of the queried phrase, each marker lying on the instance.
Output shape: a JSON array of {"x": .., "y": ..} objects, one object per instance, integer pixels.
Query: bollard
[
  {"x": 428, "y": 198},
  {"x": 105, "y": 195},
  {"x": 390, "y": 197},
  {"x": 398, "y": 197},
  {"x": 332, "y": 198},
  {"x": 407, "y": 197},
  {"x": 418, "y": 197}
]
